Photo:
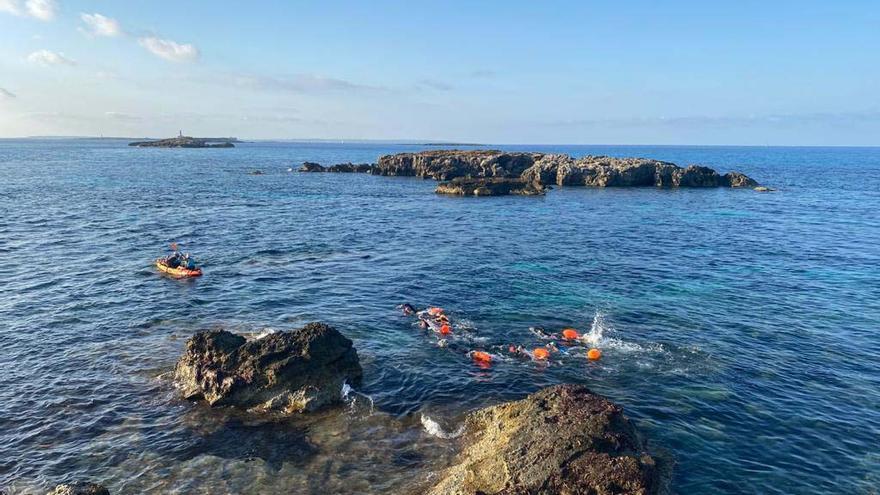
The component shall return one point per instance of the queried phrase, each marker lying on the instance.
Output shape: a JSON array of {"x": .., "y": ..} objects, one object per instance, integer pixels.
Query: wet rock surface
[
  {"x": 560, "y": 440},
  {"x": 79, "y": 488},
  {"x": 489, "y": 187},
  {"x": 286, "y": 372}
]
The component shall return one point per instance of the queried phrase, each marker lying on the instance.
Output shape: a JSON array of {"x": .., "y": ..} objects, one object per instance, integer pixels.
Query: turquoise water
[{"x": 739, "y": 329}]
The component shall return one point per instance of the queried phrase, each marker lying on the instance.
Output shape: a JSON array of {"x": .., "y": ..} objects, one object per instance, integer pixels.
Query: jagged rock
[
  {"x": 312, "y": 167},
  {"x": 560, "y": 440},
  {"x": 489, "y": 187},
  {"x": 288, "y": 372},
  {"x": 446, "y": 165},
  {"x": 79, "y": 488}
]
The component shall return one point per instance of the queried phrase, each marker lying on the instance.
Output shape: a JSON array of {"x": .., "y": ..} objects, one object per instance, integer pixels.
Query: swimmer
[
  {"x": 541, "y": 333},
  {"x": 407, "y": 309},
  {"x": 518, "y": 351}
]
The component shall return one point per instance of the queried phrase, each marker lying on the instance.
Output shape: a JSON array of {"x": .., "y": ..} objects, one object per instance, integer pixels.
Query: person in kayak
[
  {"x": 188, "y": 262},
  {"x": 173, "y": 260}
]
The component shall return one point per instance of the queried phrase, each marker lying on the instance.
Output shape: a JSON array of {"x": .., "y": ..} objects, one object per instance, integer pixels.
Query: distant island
[{"x": 182, "y": 141}]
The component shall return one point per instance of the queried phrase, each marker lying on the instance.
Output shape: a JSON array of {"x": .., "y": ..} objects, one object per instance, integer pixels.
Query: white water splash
[
  {"x": 597, "y": 329},
  {"x": 434, "y": 428},
  {"x": 264, "y": 333},
  {"x": 351, "y": 396}
]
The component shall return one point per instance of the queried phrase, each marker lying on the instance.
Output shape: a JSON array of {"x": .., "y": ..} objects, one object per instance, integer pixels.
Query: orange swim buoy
[
  {"x": 445, "y": 330},
  {"x": 570, "y": 334},
  {"x": 480, "y": 356},
  {"x": 541, "y": 353},
  {"x": 594, "y": 354}
]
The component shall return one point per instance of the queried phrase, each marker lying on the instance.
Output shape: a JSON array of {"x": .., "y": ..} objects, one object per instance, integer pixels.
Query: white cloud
[
  {"x": 4, "y": 93},
  {"x": 169, "y": 50},
  {"x": 47, "y": 58},
  {"x": 43, "y": 10},
  {"x": 99, "y": 25},
  {"x": 10, "y": 7}
]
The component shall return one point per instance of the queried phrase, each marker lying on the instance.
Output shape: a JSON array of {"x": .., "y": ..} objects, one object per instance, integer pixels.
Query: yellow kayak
[{"x": 177, "y": 272}]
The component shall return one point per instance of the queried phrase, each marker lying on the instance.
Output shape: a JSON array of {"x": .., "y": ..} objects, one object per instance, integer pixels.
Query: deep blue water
[{"x": 739, "y": 329}]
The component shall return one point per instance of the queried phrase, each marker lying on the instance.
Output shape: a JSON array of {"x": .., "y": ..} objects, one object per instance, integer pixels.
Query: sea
[{"x": 740, "y": 330}]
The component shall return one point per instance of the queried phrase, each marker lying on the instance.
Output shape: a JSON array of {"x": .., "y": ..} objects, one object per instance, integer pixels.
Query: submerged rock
[
  {"x": 764, "y": 189},
  {"x": 79, "y": 488},
  {"x": 560, "y": 440},
  {"x": 489, "y": 187},
  {"x": 288, "y": 372}
]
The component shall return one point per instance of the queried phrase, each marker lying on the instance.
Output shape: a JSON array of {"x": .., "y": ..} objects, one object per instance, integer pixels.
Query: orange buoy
[
  {"x": 570, "y": 334},
  {"x": 541, "y": 353},
  {"x": 435, "y": 311},
  {"x": 594, "y": 354},
  {"x": 480, "y": 356},
  {"x": 445, "y": 330}
]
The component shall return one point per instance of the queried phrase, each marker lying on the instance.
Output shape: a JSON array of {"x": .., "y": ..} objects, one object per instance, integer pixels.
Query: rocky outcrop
[
  {"x": 489, "y": 187},
  {"x": 351, "y": 168},
  {"x": 312, "y": 167},
  {"x": 186, "y": 142},
  {"x": 79, "y": 488},
  {"x": 736, "y": 179},
  {"x": 339, "y": 168},
  {"x": 555, "y": 169},
  {"x": 446, "y": 165},
  {"x": 560, "y": 440},
  {"x": 287, "y": 372}
]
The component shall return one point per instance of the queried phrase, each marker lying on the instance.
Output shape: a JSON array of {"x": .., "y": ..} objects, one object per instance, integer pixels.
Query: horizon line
[{"x": 435, "y": 142}]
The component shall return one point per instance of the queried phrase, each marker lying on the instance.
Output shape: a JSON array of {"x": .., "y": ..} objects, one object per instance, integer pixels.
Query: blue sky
[{"x": 637, "y": 72}]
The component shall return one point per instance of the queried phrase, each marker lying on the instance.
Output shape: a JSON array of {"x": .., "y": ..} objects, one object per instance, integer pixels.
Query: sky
[{"x": 573, "y": 72}]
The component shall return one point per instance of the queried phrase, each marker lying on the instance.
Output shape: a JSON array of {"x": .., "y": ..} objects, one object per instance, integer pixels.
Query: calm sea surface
[{"x": 740, "y": 330}]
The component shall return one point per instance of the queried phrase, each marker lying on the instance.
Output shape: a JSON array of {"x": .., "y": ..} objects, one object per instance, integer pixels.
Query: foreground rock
[
  {"x": 489, "y": 187},
  {"x": 287, "y": 372},
  {"x": 79, "y": 488},
  {"x": 560, "y": 440},
  {"x": 186, "y": 142},
  {"x": 555, "y": 169}
]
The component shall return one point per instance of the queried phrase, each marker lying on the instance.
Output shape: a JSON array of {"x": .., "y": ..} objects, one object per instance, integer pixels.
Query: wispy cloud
[
  {"x": 99, "y": 25},
  {"x": 48, "y": 58},
  {"x": 170, "y": 50},
  {"x": 43, "y": 10},
  {"x": 434, "y": 84},
  {"x": 702, "y": 121},
  {"x": 297, "y": 83},
  {"x": 122, "y": 117},
  {"x": 6, "y": 94}
]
